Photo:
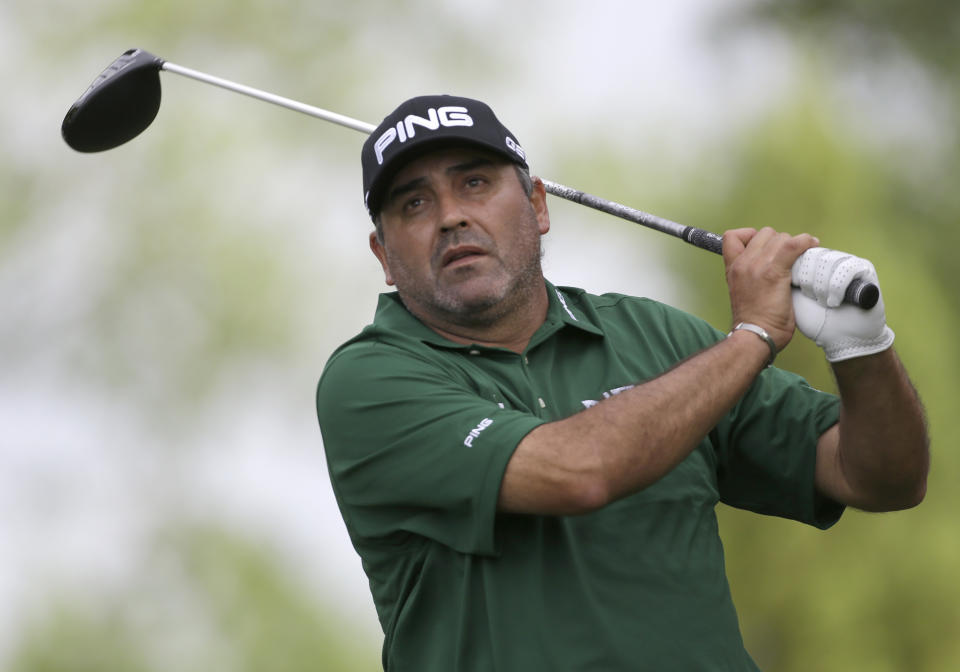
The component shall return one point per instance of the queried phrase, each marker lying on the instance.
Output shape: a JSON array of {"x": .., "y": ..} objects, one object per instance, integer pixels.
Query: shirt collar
[{"x": 564, "y": 309}]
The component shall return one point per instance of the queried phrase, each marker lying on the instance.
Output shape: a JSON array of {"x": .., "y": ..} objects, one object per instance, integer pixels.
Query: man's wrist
[
  {"x": 851, "y": 348},
  {"x": 761, "y": 333}
]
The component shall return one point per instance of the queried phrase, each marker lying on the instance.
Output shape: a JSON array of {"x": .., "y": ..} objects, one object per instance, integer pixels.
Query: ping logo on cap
[{"x": 450, "y": 115}]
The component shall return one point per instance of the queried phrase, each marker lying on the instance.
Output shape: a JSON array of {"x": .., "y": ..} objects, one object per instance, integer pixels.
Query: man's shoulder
[
  {"x": 392, "y": 327},
  {"x": 394, "y": 345},
  {"x": 624, "y": 318},
  {"x": 610, "y": 305},
  {"x": 375, "y": 346}
]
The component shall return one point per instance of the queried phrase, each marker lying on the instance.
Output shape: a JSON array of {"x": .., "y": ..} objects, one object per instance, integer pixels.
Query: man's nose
[{"x": 453, "y": 215}]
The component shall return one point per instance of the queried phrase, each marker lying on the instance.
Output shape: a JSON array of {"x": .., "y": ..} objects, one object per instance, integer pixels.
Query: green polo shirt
[{"x": 418, "y": 431}]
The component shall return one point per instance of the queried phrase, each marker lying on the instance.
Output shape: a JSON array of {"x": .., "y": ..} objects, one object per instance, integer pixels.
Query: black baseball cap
[{"x": 425, "y": 121}]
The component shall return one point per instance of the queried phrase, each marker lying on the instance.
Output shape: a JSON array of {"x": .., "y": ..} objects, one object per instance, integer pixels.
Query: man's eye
[
  {"x": 474, "y": 181},
  {"x": 413, "y": 203}
]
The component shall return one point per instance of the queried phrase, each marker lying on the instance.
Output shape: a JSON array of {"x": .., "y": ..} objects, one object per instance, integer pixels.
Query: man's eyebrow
[
  {"x": 404, "y": 188},
  {"x": 469, "y": 165},
  {"x": 417, "y": 182}
]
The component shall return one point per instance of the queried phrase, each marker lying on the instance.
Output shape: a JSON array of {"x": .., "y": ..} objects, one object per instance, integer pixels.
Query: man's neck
[{"x": 512, "y": 330}]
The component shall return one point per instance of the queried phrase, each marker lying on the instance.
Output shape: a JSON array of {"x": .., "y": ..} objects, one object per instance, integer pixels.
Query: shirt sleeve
[
  {"x": 413, "y": 448},
  {"x": 767, "y": 450}
]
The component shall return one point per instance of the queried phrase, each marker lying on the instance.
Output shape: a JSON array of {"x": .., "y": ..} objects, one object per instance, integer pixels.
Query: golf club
[{"x": 125, "y": 98}]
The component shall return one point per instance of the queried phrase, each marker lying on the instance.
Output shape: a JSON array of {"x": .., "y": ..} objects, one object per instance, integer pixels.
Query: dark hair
[{"x": 523, "y": 175}]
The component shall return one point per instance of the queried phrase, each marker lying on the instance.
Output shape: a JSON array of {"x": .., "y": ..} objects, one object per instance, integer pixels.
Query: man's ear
[
  {"x": 381, "y": 254},
  {"x": 538, "y": 199}
]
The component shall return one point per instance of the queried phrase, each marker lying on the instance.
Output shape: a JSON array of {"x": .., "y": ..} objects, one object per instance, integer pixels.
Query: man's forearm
[
  {"x": 631, "y": 440},
  {"x": 883, "y": 449}
]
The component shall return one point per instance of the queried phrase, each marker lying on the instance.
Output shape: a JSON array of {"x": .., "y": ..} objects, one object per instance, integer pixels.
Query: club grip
[
  {"x": 705, "y": 240},
  {"x": 859, "y": 292}
]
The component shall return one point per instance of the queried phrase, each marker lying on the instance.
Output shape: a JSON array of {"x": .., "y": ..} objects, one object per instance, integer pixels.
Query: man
[{"x": 529, "y": 472}]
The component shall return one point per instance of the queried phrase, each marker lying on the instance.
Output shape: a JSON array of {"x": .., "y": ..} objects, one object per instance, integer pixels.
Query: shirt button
[
  {"x": 526, "y": 360},
  {"x": 542, "y": 402},
  {"x": 474, "y": 352}
]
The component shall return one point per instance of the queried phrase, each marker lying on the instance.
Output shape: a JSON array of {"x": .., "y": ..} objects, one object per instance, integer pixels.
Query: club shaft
[
  {"x": 583, "y": 198},
  {"x": 259, "y": 94},
  {"x": 699, "y": 237},
  {"x": 859, "y": 292}
]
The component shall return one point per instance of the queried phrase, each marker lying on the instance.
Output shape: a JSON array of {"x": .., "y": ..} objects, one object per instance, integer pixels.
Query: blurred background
[{"x": 167, "y": 306}]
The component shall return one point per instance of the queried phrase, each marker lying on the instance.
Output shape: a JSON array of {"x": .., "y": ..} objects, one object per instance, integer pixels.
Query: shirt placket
[{"x": 538, "y": 402}]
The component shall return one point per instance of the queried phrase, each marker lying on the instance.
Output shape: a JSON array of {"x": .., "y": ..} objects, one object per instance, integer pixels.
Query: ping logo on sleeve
[{"x": 475, "y": 432}]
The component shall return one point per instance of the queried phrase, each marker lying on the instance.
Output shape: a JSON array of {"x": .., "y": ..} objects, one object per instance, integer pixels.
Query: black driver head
[{"x": 122, "y": 101}]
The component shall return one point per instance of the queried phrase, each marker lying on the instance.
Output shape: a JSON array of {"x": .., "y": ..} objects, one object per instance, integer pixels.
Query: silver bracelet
[{"x": 762, "y": 333}]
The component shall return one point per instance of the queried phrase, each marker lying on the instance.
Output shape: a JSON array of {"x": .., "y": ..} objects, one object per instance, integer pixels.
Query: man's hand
[
  {"x": 758, "y": 267},
  {"x": 820, "y": 277}
]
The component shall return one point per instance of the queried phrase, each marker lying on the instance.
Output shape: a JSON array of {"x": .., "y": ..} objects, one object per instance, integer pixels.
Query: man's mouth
[{"x": 461, "y": 255}]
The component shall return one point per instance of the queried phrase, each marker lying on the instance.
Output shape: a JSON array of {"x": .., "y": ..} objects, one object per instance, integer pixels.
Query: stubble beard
[{"x": 516, "y": 280}]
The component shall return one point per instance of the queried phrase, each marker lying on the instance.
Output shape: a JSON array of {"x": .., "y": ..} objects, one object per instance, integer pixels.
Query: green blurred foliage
[
  {"x": 850, "y": 598},
  {"x": 877, "y": 592},
  {"x": 207, "y": 600},
  {"x": 865, "y": 30},
  {"x": 69, "y": 639},
  {"x": 272, "y": 620},
  {"x": 920, "y": 43}
]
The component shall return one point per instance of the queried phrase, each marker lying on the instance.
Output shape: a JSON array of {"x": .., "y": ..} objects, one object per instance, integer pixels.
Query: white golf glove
[{"x": 844, "y": 331}]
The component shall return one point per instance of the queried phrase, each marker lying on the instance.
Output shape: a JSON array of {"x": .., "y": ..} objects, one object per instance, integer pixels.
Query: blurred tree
[
  {"x": 207, "y": 600},
  {"x": 856, "y": 597},
  {"x": 928, "y": 30},
  {"x": 904, "y": 51},
  {"x": 271, "y": 620},
  {"x": 908, "y": 202},
  {"x": 71, "y": 639}
]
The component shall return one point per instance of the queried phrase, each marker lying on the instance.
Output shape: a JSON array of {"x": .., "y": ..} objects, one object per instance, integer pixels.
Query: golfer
[{"x": 529, "y": 472}]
